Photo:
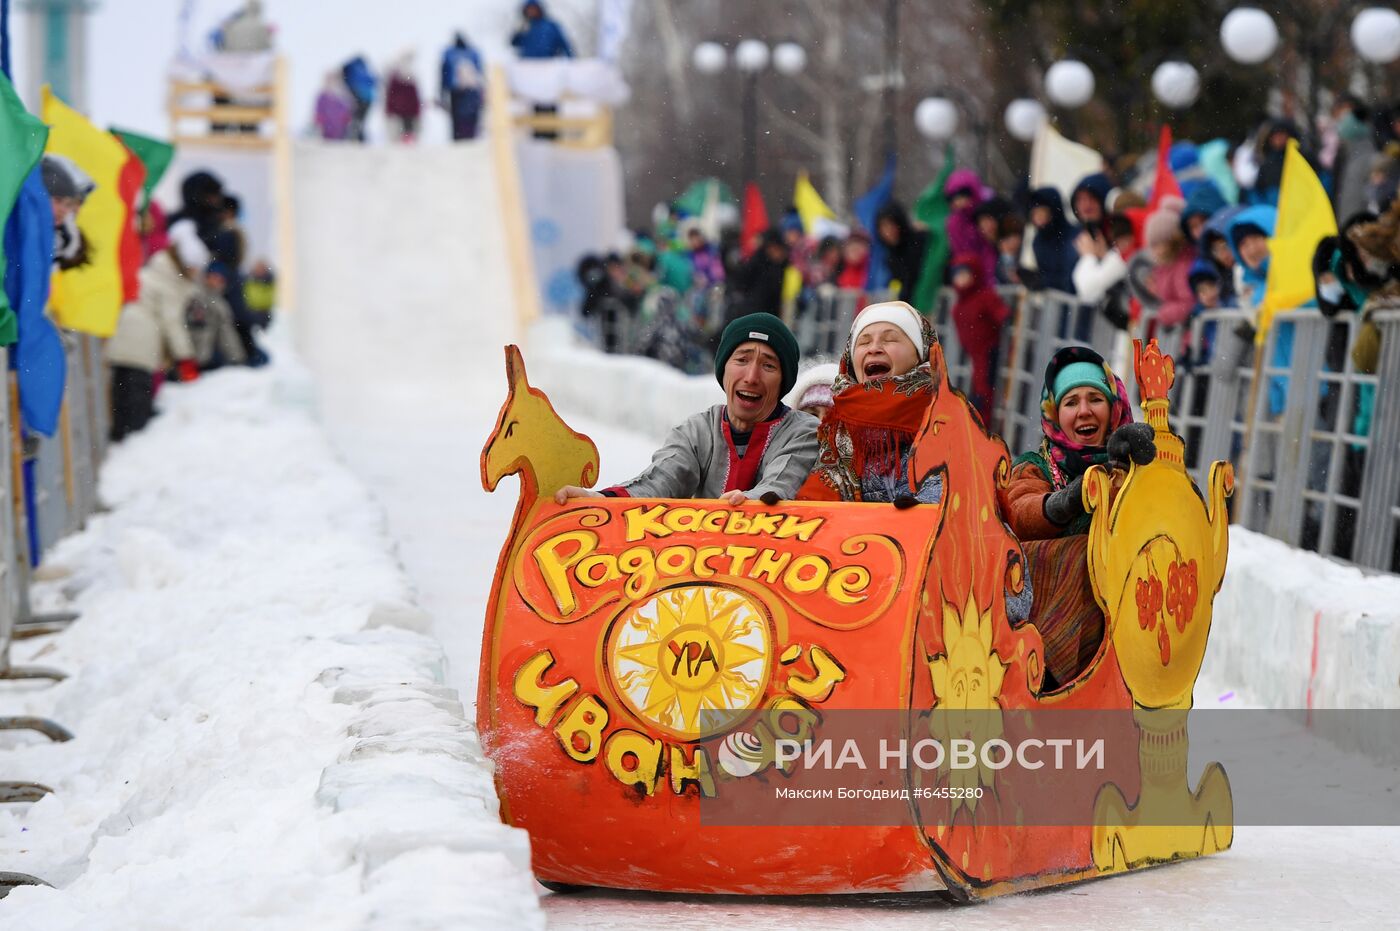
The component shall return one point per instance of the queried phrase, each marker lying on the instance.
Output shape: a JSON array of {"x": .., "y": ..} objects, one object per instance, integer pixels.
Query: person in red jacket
[
  {"x": 402, "y": 103},
  {"x": 979, "y": 316}
]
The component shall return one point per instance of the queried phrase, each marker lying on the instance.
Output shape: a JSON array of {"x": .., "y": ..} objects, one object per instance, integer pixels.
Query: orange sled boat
[{"x": 643, "y": 658}]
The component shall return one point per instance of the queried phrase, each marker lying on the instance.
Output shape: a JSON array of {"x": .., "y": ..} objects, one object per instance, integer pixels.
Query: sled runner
[{"x": 642, "y": 659}]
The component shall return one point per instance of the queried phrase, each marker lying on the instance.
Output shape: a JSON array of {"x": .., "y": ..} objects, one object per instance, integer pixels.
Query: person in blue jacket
[
  {"x": 362, "y": 84},
  {"x": 540, "y": 36},
  {"x": 1249, "y": 232},
  {"x": 460, "y": 90}
]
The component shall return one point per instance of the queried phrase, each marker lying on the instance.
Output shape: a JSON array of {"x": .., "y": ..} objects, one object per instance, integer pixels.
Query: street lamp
[
  {"x": 1376, "y": 34},
  {"x": 751, "y": 57},
  {"x": 936, "y": 118},
  {"x": 789, "y": 58},
  {"x": 1249, "y": 35},
  {"x": 1176, "y": 84},
  {"x": 709, "y": 57},
  {"x": 1024, "y": 117},
  {"x": 1069, "y": 84}
]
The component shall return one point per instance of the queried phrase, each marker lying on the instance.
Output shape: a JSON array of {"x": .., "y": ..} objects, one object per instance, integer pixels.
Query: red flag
[
  {"x": 129, "y": 256},
  {"x": 1165, "y": 183},
  {"x": 755, "y": 218}
]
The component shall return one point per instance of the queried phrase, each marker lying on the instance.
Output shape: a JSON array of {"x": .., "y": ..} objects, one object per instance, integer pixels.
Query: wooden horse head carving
[{"x": 533, "y": 441}]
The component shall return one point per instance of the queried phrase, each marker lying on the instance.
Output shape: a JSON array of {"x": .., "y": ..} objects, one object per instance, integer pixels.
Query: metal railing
[
  {"x": 64, "y": 494},
  {"x": 1315, "y": 443}
]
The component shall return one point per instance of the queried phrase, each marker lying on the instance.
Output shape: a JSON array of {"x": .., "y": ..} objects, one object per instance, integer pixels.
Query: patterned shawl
[
  {"x": 870, "y": 427},
  {"x": 1062, "y": 457}
]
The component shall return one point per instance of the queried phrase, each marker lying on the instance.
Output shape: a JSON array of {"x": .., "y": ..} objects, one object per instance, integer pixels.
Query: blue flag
[
  {"x": 37, "y": 357},
  {"x": 867, "y": 206}
]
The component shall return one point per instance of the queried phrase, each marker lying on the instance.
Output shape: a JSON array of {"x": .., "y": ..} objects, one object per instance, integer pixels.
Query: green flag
[
  {"x": 692, "y": 202},
  {"x": 154, "y": 154},
  {"x": 22, "y": 139},
  {"x": 931, "y": 209}
]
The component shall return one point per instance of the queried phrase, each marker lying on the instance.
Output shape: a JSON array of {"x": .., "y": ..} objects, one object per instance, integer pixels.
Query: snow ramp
[{"x": 406, "y": 292}]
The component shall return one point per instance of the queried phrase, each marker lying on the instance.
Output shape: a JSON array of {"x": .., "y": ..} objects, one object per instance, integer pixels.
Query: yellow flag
[
  {"x": 89, "y": 298},
  {"x": 792, "y": 284},
  {"x": 1305, "y": 217},
  {"x": 809, "y": 204}
]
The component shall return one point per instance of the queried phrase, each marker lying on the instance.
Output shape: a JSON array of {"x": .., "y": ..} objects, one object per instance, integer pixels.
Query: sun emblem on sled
[
  {"x": 967, "y": 682},
  {"x": 688, "y": 658}
]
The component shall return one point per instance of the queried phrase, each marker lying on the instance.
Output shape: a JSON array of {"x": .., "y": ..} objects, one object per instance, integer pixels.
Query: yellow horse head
[{"x": 533, "y": 441}]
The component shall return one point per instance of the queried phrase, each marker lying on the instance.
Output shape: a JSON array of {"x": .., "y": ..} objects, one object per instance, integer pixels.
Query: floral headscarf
[{"x": 1067, "y": 458}]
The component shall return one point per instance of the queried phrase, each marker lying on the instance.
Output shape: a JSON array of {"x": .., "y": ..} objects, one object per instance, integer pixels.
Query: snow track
[{"x": 406, "y": 348}]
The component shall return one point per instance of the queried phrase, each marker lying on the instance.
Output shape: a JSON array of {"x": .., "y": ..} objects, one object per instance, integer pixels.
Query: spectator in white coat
[{"x": 151, "y": 334}]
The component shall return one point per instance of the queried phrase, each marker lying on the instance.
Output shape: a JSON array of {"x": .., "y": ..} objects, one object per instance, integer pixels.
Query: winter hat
[
  {"x": 896, "y": 312},
  {"x": 814, "y": 386},
  {"x": 184, "y": 239},
  {"x": 763, "y": 328},
  {"x": 1081, "y": 375},
  {"x": 62, "y": 178},
  {"x": 1164, "y": 224},
  {"x": 1202, "y": 270}
]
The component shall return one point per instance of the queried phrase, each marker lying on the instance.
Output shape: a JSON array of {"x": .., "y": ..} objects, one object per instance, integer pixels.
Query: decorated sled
[{"x": 642, "y": 659}]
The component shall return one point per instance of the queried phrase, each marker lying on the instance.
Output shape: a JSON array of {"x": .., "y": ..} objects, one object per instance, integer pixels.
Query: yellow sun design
[
  {"x": 966, "y": 684},
  {"x": 688, "y": 659}
]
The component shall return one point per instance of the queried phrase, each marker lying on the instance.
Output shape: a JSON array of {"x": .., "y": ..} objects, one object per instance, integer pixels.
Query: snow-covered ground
[{"x": 262, "y": 740}]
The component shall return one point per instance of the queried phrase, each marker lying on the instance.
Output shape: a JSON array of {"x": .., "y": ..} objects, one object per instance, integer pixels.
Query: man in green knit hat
[{"x": 752, "y": 445}]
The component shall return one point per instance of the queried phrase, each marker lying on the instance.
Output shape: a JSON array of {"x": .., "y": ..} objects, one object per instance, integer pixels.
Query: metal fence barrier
[
  {"x": 65, "y": 468},
  {"x": 1315, "y": 443}
]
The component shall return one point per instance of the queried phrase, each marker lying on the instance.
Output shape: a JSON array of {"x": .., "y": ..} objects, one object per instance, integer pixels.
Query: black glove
[
  {"x": 1063, "y": 507},
  {"x": 903, "y": 502},
  {"x": 1132, "y": 442},
  {"x": 769, "y": 498}
]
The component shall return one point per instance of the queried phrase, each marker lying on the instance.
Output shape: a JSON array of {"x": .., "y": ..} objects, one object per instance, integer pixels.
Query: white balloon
[
  {"x": 1176, "y": 84},
  {"x": 1069, "y": 83},
  {"x": 1249, "y": 35},
  {"x": 751, "y": 55},
  {"x": 1024, "y": 118},
  {"x": 709, "y": 57},
  {"x": 789, "y": 58},
  {"x": 936, "y": 118},
  {"x": 1376, "y": 34}
]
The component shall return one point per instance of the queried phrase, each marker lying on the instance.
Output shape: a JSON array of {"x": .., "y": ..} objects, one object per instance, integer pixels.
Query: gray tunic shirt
[{"x": 694, "y": 460}]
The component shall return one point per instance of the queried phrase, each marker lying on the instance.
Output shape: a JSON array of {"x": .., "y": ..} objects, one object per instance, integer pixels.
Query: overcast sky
[{"x": 131, "y": 42}]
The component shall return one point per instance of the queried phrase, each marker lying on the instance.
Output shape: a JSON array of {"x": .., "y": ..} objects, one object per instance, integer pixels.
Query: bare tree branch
[{"x": 793, "y": 127}]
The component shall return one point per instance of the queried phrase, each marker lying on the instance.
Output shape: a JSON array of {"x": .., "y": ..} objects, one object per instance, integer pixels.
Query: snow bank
[
  {"x": 632, "y": 392},
  {"x": 261, "y": 740},
  {"x": 1303, "y": 631}
]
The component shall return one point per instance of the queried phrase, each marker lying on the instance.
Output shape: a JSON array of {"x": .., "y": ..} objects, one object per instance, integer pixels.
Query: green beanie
[
  {"x": 763, "y": 328},
  {"x": 1080, "y": 375}
]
